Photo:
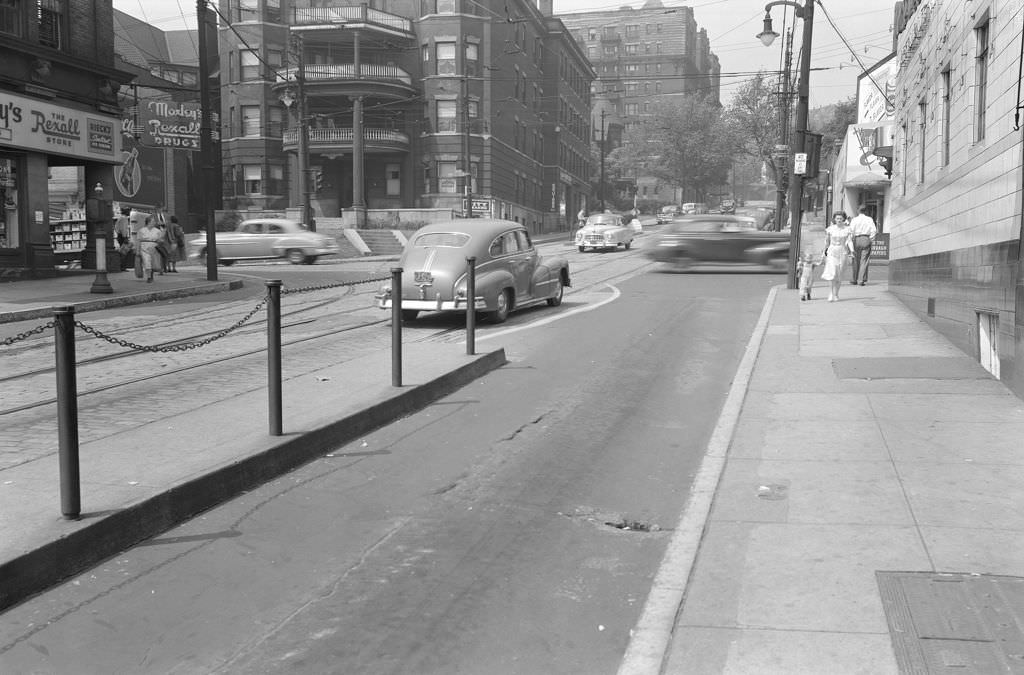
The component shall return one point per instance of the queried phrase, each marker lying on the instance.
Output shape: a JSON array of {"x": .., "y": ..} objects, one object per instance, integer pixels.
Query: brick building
[
  {"x": 406, "y": 105},
  {"x": 640, "y": 55},
  {"x": 956, "y": 217},
  {"x": 58, "y": 108}
]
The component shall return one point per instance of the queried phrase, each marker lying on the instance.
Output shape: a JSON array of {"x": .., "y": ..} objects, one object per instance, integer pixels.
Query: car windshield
[
  {"x": 446, "y": 239},
  {"x": 604, "y": 219}
]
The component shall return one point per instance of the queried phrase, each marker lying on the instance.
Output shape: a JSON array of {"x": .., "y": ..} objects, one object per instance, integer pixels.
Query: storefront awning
[{"x": 867, "y": 179}]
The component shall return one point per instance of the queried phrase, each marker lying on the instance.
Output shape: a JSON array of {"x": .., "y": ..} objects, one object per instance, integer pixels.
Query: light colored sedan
[
  {"x": 509, "y": 272},
  {"x": 604, "y": 231},
  {"x": 263, "y": 238}
]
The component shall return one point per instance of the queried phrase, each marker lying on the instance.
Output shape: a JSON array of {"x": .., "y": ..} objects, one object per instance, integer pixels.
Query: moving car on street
[
  {"x": 604, "y": 231},
  {"x": 668, "y": 213},
  {"x": 510, "y": 273},
  {"x": 263, "y": 238},
  {"x": 720, "y": 239}
]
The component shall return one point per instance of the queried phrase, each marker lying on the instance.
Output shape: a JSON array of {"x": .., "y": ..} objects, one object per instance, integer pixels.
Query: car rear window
[{"x": 446, "y": 239}]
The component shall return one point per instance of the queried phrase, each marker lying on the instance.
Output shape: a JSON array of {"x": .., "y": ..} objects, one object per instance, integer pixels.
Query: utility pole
[
  {"x": 467, "y": 155},
  {"x": 796, "y": 183},
  {"x": 207, "y": 176},
  {"x": 303, "y": 139},
  {"x": 784, "y": 160},
  {"x": 600, "y": 187}
]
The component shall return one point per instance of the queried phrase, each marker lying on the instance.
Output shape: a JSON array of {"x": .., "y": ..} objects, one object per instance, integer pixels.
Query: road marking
[
  {"x": 556, "y": 317},
  {"x": 649, "y": 640}
]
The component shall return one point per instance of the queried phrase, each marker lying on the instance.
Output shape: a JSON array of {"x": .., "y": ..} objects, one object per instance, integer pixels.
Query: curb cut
[
  {"x": 109, "y": 534},
  {"x": 122, "y": 300}
]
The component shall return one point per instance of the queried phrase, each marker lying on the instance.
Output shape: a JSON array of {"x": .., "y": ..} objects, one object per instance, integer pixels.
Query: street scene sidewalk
[
  {"x": 871, "y": 487},
  {"x": 869, "y": 463}
]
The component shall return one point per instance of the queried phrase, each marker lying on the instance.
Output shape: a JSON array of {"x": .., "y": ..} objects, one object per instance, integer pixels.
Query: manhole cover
[{"x": 954, "y": 623}]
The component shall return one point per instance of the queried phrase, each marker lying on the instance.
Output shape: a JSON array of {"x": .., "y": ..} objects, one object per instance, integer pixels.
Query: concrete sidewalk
[{"x": 866, "y": 447}]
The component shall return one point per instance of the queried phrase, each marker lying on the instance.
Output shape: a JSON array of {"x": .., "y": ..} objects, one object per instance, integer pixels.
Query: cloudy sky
[{"x": 731, "y": 27}]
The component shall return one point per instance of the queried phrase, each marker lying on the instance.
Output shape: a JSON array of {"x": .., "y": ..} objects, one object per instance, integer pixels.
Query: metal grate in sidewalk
[{"x": 954, "y": 623}]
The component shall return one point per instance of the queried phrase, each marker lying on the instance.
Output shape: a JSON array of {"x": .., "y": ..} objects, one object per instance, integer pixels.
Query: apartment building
[
  {"x": 639, "y": 55},
  {"x": 363, "y": 110},
  {"x": 955, "y": 222}
]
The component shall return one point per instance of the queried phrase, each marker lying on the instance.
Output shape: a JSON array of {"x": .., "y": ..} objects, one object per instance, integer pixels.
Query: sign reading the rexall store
[
  {"x": 167, "y": 124},
  {"x": 30, "y": 124}
]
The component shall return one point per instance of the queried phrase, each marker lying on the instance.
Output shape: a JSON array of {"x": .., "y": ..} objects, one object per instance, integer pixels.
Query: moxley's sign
[
  {"x": 171, "y": 124},
  {"x": 28, "y": 124}
]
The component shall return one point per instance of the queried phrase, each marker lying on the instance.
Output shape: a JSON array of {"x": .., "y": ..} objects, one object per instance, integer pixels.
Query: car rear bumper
[{"x": 437, "y": 305}]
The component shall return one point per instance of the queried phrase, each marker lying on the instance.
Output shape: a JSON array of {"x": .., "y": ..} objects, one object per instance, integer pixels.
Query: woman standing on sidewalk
[
  {"x": 149, "y": 237},
  {"x": 838, "y": 242}
]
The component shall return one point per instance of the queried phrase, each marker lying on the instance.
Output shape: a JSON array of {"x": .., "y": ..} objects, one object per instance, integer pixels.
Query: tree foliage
[
  {"x": 833, "y": 127},
  {"x": 683, "y": 142},
  {"x": 753, "y": 119}
]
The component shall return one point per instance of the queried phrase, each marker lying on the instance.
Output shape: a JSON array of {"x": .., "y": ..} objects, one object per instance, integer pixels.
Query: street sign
[{"x": 799, "y": 162}]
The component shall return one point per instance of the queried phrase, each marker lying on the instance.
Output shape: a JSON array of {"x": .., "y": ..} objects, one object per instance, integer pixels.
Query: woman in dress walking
[
  {"x": 149, "y": 237},
  {"x": 838, "y": 244}
]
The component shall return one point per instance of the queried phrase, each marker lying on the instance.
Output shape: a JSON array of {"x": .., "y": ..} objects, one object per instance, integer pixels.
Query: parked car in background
[
  {"x": 262, "y": 238},
  {"x": 510, "y": 273},
  {"x": 668, "y": 213},
  {"x": 720, "y": 239},
  {"x": 604, "y": 231},
  {"x": 691, "y": 208},
  {"x": 728, "y": 206}
]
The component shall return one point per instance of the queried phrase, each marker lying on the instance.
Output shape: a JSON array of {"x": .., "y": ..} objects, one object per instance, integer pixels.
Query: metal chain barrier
[
  {"x": 307, "y": 289},
  {"x": 184, "y": 346},
  {"x": 27, "y": 334}
]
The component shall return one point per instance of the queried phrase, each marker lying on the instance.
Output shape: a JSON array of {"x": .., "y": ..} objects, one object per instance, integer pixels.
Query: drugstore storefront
[{"x": 35, "y": 136}]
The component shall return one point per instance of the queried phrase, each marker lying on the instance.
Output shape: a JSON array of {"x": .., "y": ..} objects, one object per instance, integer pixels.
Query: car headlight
[{"x": 607, "y": 236}]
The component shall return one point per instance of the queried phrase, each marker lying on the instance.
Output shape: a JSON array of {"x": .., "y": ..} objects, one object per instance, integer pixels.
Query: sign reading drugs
[{"x": 172, "y": 124}]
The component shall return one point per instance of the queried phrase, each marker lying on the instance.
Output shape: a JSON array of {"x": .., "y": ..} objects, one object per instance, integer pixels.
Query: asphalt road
[{"x": 513, "y": 527}]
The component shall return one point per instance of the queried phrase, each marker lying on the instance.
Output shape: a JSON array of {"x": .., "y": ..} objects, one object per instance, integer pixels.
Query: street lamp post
[
  {"x": 600, "y": 186},
  {"x": 796, "y": 185}
]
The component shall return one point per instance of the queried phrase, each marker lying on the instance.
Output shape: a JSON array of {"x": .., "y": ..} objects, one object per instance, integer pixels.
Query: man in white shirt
[{"x": 863, "y": 230}]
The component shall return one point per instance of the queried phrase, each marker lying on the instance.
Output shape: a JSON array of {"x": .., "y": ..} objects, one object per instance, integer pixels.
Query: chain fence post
[
  {"x": 471, "y": 305},
  {"x": 396, "y": 326},
  {"x": 274, "y": 355},
  {"x": 67, "y": 411}
]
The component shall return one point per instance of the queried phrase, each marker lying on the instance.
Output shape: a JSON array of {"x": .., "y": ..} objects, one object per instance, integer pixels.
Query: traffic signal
[{"x": 318, "y": 180}]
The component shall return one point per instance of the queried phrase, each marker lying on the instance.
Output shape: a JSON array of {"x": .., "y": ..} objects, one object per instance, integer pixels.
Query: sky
[{"x": 731, "y": 26}]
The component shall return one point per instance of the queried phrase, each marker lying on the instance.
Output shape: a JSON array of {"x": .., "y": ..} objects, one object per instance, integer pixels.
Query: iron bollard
[
  {"x": 471, "y": 305},
  {"x": 67, "y": 412},
  {"x": 274, "y": 354},
  {"x": 396, "y": 326}
]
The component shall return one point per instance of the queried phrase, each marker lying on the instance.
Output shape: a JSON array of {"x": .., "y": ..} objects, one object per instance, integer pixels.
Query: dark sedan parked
[{"x": 720, "y": 239}]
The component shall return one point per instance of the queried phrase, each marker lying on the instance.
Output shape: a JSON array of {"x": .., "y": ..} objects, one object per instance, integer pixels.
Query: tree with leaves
[{"x": 681, "y": 143}]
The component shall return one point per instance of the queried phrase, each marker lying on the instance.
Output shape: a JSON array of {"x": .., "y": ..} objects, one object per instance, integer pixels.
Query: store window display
[{"x": 8, "y": 203}]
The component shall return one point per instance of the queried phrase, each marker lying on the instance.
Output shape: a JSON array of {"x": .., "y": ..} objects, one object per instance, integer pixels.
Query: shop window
[
  {"x": 252, "y": 177},
  {"x": 51, "y": 23},
  {"x": 8, "y": 203},
  {"x": 11, "y": 17}
]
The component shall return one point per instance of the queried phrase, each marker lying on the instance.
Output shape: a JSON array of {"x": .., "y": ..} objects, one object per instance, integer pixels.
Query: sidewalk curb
[
  {"x": 122, "y": 300},
  {"x": 110, "y": 533},
  {"x": 651, "y": 637}
]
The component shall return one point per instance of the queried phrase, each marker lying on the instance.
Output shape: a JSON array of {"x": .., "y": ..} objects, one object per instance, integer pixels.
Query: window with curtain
[
  {"x": 50, "y": 14},
  {"x": 250, "y": 120},
  {"x": 11, "y": 17},
  {"x": 447, "y": 114},
  {"x": 252, "y": 177},
  {"x": 250, "y": 65},
  {"x": 445, "y": 57}
]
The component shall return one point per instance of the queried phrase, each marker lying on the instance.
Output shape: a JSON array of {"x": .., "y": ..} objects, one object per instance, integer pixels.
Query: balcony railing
[
  {"x": 343, "y": 137},
  {"x": 347, "y": 71},
  {"x": 305, "y": 16}
]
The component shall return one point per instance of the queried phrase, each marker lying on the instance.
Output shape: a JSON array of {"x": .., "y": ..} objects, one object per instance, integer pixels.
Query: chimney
[{"x": 547, "y": 7}]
